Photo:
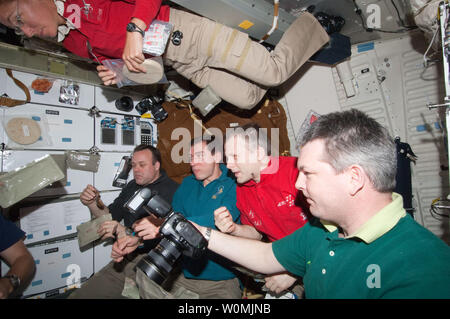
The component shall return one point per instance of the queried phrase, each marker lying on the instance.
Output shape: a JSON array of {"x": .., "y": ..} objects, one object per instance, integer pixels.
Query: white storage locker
[
  {"x": 60, "y": 128},
  {"x": 2, "y": 111},
  {"x": 58, "y": 265},
  {"x": 76, "y": 180},
  {"x": 102, "y": 250},
  {"x": 83, "y": 94},
  {"x": 102, "y": 255},
  {"x": 109, "y": 163},
  {"x": 44, "y": 222},
  {"x": 3, "y": 77},
  {"x": 105, "y": 100},
  {"x": 2, "y": 131},
  {"x": 121, "y": 133}
]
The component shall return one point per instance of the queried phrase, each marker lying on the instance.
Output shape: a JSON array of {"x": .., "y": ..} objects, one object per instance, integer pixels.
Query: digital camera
[
  {"x": 121, "y": 177},
  {"x": 152, "y": 104},
  {"x": 180, "y": 236}
]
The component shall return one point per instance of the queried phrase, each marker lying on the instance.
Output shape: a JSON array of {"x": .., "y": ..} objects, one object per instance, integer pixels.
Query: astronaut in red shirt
[
  {"x": 238, "y": 69},
  {"x": 266, "y": 196}
]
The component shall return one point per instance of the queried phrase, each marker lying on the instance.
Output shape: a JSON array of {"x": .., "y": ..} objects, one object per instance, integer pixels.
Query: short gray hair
[{"x": 352, "y": 137}]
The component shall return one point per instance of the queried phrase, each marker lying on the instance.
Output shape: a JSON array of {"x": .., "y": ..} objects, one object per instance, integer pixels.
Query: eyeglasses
[{"x": 19, "y": 22}]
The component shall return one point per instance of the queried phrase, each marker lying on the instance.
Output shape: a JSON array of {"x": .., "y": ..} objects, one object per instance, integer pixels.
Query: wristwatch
[
  {"x": 132, "y": 27},
  {"x": 14, "y": 280},
  {"x": 208, "y": 233},
  {"x": 129, "y": 231}
]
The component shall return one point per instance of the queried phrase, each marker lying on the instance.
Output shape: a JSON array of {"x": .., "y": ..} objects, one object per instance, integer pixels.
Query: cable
[
  {"x": 439, "y": 204},
  {"x": 425, "y": 59},
  {"x": 400, "y": 18},
  {"x": 358, "y": 11},
  {"x": 274, "y": 22}
]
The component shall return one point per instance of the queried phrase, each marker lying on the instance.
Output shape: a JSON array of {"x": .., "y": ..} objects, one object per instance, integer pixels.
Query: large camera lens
[
  {"x": 125, "y": 104},
  {"x": 159, "y": 262}
]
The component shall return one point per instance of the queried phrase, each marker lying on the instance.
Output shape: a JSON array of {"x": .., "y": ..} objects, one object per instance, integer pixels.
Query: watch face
[
  {"x": 15, "y": 281},
  {"x": 130, "y": 27}
]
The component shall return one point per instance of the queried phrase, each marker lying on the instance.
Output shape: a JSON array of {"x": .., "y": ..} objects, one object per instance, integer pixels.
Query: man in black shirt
[{"x": 147, "y": 172}]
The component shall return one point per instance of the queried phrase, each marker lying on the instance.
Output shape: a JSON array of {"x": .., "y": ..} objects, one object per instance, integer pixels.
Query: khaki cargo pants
[
  {"x": 238, "y": 69},
  {"x": 183, "y": 288},
  {"x": 109, "y": 282}
]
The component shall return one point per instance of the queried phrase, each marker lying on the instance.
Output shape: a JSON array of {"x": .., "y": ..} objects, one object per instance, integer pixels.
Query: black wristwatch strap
[
  {"x": 14, "y": 280},
  {"x": 132, "y": 27}
]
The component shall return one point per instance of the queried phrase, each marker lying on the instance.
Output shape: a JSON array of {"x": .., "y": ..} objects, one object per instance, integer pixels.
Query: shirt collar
[
  {"x": 379, "y": 224},
  {"x": 268, "y": 169},
  {"x": 223, "y": 174},
  {"x": 64, "y": 29},
  {"x": 265, "y": 173}
]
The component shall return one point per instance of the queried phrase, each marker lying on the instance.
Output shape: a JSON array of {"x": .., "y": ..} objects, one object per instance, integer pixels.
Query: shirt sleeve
[
  {"x": 116, "y": 208},
  {"x": 9, "y": 234},
  {"x": 290, "y": 251},
  {"x": 146, "y": 10}
]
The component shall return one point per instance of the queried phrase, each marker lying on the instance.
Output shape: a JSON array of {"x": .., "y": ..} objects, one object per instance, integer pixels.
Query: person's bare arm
[
  {"x": 90, "y": 197},
  {"x": 252, "y": 254},
  {"x": 132, "y": 52},
  {"x": 21, "y": 264},
  {"x": 225, "y": 223}
]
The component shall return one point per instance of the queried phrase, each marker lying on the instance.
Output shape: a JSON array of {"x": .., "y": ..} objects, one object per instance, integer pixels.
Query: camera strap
[{"x": 5, "y": 100}]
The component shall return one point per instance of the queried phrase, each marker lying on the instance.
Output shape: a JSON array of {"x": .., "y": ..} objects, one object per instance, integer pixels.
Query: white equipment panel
[
  {"x": 119, "y": 133},
  {"x": 52, "y": 97},
  {"x": 102, "y": 255},
  {"x": 109, "y": 163},
  {"x": 102, "y": 251},
  {"x": 58, "y": 265},
  {"x": 105, "y": 100},
  {"x": 76, "y": 179},
  {"x": 44, "y": 222},
  {"x": 2, "y": 131},
  {"x": 61, "y": 128}
]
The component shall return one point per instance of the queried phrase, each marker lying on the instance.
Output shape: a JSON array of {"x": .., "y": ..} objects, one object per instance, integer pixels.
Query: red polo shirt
[
  {"x": 272, "y": 205},
  {"x": 105, "y": 24}
]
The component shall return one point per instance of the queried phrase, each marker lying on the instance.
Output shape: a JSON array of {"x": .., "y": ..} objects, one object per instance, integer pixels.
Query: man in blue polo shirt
[
  {"x": 361, "y": 243},
  {"x": 16, "y": 255},
  {"x": 198, "y": 196}
]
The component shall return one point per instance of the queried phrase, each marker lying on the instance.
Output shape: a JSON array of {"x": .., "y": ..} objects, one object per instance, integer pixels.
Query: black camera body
[
  {"x": 152, "y": 104},
  {"x": 179, "y": 236},
  {"x": 121, "y": 177}
]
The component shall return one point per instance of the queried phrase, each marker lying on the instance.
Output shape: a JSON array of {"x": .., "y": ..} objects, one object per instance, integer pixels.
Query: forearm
[
  {"x": 24, "y": 268},
  {"x": 141, "y": 24},
  {"x": 96, "y": 211},
  {"x": 246, "y": 231},
  {"x": 252, "y": 254}
]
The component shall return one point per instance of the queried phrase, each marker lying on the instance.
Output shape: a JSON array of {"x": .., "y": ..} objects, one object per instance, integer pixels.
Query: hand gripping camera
[{"x": 179, "y": 236}]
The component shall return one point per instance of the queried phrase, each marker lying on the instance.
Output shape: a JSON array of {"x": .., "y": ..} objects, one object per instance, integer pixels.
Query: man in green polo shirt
[{"x": 360, "y": 243}]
